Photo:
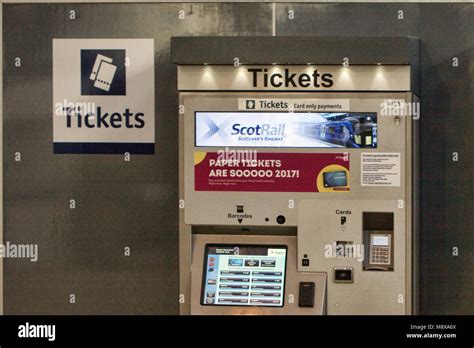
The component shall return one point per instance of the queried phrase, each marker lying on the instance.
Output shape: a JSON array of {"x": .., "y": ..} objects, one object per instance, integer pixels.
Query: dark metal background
[{"x": 135, "y": 204}]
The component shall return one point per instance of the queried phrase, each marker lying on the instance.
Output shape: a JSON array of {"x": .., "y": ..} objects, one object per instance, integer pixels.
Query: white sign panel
[
  {"x": 316, "y": 105},
  {"x": 103, "y": 96},
  {"x": 380, "y": 169}
]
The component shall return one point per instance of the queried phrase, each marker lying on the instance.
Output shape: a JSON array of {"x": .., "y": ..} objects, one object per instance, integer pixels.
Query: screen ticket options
[{"x": 244, "y": 275}]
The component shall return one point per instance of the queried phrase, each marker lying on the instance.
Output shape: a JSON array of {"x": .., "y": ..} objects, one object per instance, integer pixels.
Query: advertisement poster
[
  {"x": 271, "y": 172},
  {"x": 286, "y": 129}
]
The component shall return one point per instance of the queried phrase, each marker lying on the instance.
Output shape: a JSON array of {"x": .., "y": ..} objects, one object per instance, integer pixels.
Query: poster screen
[{"x": 286, "y": 129}]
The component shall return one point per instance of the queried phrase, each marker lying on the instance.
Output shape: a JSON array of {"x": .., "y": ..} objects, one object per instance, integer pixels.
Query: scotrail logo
[
  {"x": 264, "y": 129},
  {"x": 232, "y": 131}
]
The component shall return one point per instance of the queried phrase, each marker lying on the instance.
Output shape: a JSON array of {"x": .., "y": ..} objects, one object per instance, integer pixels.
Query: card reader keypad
[{"x": 380, "y": 255}]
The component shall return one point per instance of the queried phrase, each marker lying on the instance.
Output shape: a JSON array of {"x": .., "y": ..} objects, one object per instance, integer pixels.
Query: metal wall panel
[{"x": 118, "y": 203}]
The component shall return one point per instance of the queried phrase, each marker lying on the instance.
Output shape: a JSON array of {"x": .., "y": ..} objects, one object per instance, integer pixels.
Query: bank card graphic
[{"x": 335, "y": 179}]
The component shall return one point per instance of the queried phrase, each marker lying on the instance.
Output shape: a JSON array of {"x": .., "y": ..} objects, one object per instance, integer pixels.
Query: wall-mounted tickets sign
[
  {"x": 244, "y": 171},
  {"x": 103, "y": 96}
]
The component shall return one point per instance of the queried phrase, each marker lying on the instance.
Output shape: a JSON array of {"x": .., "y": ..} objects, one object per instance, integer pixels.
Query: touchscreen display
[
  {"x": 244, "y": 275},
  {"x": 285, "y": 129}
]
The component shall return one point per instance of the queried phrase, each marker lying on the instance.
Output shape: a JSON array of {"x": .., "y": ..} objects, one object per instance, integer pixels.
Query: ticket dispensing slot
[{"x": 378, "y": 237}]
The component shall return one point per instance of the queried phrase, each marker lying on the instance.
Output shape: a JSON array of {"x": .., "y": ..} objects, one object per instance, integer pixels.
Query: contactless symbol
[
  {"x": 250, "y": 104},
  {"x": 103, "y": 72}
]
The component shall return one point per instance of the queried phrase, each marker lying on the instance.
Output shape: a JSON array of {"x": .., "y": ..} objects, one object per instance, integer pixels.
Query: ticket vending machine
[{"x": 298, "y": 172}]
